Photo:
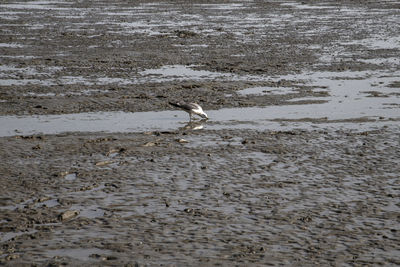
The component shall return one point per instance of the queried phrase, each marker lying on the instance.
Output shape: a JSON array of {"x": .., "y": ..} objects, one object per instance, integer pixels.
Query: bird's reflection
[{"x": 194, "y": 125}]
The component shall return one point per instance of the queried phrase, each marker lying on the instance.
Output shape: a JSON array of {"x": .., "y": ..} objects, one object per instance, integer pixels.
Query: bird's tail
[{"x": 175, "y": 104}]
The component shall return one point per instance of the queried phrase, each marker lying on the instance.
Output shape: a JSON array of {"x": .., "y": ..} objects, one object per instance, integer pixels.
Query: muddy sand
[{"x": 298, "y": 164}]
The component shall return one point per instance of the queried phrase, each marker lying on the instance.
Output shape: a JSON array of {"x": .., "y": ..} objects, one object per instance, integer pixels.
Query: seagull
[{"x": 191, "y": 108}]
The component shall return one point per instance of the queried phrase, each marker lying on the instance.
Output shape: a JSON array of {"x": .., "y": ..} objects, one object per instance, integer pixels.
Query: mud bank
[{"x": 202, "y": 197}]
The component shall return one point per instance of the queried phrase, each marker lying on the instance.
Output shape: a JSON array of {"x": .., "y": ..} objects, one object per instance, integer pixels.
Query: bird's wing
[
  {"x": 186, "y": 106},
  {"x": 175, "y": 104},
  {"x": 192, "y": 106}
]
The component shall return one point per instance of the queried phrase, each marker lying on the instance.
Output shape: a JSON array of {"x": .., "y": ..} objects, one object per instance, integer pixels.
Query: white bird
[{"x": 191, "y": 108}]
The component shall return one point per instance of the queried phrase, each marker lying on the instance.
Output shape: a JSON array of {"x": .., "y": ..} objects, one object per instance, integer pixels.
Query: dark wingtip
[{"x": 174, "y": 104}]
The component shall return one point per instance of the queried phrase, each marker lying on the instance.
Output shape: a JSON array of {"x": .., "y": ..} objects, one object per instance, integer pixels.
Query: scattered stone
[
  {"x": 185, "y": 34},
  {"x": 375, "y": 94},
  {"x": 43, "y": 199},
  {"x": 188, "y": 210},
  {"x": 86, "y": 188},
  {"x": 305, "y": 219},
  {"x": 64, "y": 173},
  {"x": 103, "y": 163},
  {"x": 150, "y": 144},
  {"x": 227, "y": 194},
  {"x": 113, "y": 151},
  {"x": 12, "y": 257},
  {"x": 167, "y": 204},
  {"x": 69, "y": 214},
  {"x": 181, "y": 140},
  {"x": 37, "y": 147},
  {"x": 111, "y": 185}
]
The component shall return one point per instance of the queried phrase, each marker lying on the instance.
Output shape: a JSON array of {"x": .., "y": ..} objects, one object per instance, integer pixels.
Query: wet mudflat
[
  {"x": 298, "y": 164},
  {"x": 203, "y": 197}
]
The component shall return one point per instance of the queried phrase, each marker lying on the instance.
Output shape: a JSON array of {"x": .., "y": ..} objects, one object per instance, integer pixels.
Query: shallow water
[
  {"x": 78, "y": 253},
  {"x": 240, "y": 118},
  {"x": 351, "y": 97},
  {"x": 265, "y": 90},
  {"x": 163, "y": 74},
  {"x": 9, "y": 235}
]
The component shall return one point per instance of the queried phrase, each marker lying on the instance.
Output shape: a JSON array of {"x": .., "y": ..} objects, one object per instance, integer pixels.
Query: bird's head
[{"x": 204, "y": 115}]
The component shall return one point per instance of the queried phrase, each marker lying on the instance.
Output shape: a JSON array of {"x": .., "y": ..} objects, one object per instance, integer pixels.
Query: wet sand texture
[{"x": 297, "y": 166}]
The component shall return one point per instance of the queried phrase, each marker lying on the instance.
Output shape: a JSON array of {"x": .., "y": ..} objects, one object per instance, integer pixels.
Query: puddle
[
  {"x": 48, "y": 203},
  {"x": 381, "y": 61},
  {"x": 14, "y": 82},
  {"x": 305, "y": 6},
  {"x": 37, "y": 5},
  {"x": 40, "y": 94},
  {"x": 20, "y": 56},
  {"x": 199, "y": 141},
  {"x": 228, "y": 6},
  {"x": 321, "y": 98},
  {"x": 11, "y": 45},
  {"x": 82, "y": 92},
  {"x": 70, "y": 176},
  {"x": 89, "y": 212},
  {"x": 181, "y": 72},
  {"x": 7, "y": 236},
  {"x": 378, "y": 42},
  {"x": 163, "y": 74},
  {"x": 266, "y": 90},
  {"x": 77, "y": 253},
  {"x": 12, "y": 207},
  {"x": 13, "y": 70}
]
